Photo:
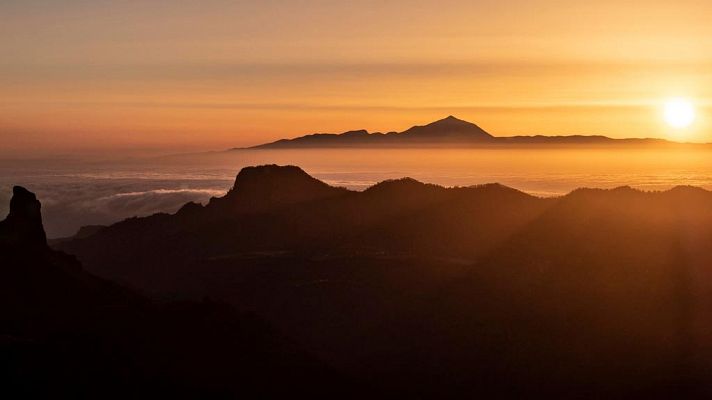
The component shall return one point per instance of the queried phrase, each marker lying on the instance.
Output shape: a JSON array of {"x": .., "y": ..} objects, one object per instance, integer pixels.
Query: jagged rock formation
[{"x": 23, "y": 225}]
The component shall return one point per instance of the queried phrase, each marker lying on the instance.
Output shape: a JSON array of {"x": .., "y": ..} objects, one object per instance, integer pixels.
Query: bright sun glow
[{"x": 679, "y": 113}]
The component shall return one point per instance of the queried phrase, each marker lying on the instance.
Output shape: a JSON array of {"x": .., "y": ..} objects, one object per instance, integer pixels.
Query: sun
[{"x": 679, "y": 113}]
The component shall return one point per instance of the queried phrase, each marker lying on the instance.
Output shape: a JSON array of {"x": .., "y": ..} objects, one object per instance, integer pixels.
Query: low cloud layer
[
  {"x": 66, "y": 206},
  {"x": 149, "y": 201}
]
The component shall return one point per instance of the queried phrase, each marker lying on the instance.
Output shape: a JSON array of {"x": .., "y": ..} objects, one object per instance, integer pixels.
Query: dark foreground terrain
[
  {"x": 67, "y": 334},
  {"x": 403, "y": 289}
]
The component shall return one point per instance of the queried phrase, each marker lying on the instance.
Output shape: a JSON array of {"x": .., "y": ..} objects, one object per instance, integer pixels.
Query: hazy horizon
[
  {"x": 81, "y": 76},
  {"x": 79, "y": 192},
  {"x": 133, "y": 152}
]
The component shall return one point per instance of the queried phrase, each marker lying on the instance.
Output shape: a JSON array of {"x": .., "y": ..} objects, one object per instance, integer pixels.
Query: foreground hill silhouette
[
  {"x": 447, "y": 132},
  {"x": 65, "y": 333},
  {"x": 448, "y": 292}
]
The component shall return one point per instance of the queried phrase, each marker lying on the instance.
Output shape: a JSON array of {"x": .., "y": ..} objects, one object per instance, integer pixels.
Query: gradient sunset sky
[{"x": 197, "y": 75}]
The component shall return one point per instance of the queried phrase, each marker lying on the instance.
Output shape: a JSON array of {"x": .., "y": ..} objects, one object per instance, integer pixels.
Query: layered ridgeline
[
  {"x": 64, "y": 333},
  {"x": 447, "y": 132},
  {"x": 434, "y": 291}
]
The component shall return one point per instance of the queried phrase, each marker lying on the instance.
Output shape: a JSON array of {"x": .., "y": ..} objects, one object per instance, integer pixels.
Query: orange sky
[{"x": 196, "y": 75}]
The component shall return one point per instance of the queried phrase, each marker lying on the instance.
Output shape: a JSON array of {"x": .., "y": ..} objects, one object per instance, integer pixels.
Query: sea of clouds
[
  {"x": 73, "y": 197},
  {"x": 75, "y": 193},
  {"x": 65, "y": 208}
]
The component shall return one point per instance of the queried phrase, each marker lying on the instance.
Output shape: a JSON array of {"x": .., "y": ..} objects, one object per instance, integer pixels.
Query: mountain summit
[
  {"x": 449, "y": 127},
  {"x": 273, "y": 185}
]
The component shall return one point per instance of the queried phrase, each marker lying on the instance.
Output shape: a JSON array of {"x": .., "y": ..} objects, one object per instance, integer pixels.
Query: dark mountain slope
[
  {"x": 65, "y": 333},
  {"x": 471, "y": 222},
  {"x": 608, "y": 286},
  {"x": 288, "y": 212},
  {"x": 436, "y": 292},
  {"x": 37, "y": 281}
]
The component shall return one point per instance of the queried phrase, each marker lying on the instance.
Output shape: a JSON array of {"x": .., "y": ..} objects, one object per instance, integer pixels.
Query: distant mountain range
[{"x": 447, "y": 132}]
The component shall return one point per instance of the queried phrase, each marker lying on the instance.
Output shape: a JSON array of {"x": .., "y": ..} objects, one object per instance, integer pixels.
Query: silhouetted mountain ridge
[
  {"x": 434, "y": 292},
  {"x": 449, "y": 132}
]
